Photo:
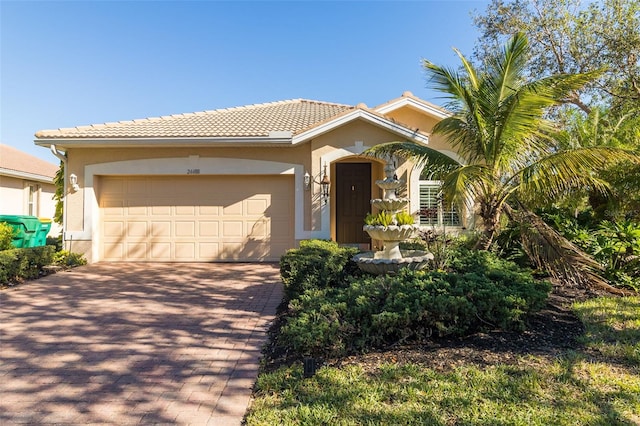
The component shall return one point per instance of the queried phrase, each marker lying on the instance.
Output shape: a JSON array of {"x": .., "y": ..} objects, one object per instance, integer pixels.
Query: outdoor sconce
[
  {"x": 73, "y": 181},
  {"x": 324, "y": 183}
]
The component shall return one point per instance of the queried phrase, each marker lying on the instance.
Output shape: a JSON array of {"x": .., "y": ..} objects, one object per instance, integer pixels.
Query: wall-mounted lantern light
[
  {"x": 73, "y": 181},
  {"x": 324, "y": 183}
]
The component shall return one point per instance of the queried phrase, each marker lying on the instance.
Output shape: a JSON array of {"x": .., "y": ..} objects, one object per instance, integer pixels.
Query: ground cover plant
[
  {"x": 540, "y": 377},
  {"x": 478, "y": 291}
]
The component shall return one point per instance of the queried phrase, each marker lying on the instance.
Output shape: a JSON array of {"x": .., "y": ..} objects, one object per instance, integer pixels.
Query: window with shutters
[{"x": 434, "y": 211}]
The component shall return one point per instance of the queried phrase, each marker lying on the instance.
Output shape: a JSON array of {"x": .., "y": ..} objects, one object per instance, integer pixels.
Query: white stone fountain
[{"x": 391, "y": 259}]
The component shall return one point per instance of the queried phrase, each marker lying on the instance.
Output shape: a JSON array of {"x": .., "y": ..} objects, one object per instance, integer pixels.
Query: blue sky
[{"x": 65, "y": 64}]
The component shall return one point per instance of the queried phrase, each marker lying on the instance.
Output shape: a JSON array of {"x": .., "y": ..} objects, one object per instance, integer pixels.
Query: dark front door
[{"x": 353, "y": 202}]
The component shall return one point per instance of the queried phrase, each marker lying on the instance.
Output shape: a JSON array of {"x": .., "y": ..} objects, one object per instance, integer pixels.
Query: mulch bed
[{"x": 550, "y": 333}]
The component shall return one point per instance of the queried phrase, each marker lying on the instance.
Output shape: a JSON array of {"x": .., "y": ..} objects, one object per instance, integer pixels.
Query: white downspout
[{"x": 63, "y": 157}]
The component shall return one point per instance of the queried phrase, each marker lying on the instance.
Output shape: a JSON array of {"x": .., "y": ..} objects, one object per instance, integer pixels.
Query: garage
[{"x": 195, "y": 218}]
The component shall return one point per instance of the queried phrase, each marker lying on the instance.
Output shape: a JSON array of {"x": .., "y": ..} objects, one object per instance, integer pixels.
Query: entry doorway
[{"x": 353, "y": 202}]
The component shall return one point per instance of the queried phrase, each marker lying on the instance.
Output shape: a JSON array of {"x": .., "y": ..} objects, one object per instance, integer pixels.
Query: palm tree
[{"x": 500, "y": 127}]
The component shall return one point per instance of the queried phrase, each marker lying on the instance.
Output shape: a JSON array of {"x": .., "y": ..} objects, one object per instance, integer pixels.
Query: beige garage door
[{"x": 195, "y": 218}]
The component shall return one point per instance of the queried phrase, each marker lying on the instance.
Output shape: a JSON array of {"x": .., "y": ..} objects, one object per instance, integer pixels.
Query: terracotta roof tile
[
  {"x": 19, "y": 161},
  {"x": 247, "y": 121}
]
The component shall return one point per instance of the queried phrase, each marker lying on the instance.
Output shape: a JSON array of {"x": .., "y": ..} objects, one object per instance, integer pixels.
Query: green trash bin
[
  {"x": 26, "y": 228},
  {"x": 41, "y": 236}
]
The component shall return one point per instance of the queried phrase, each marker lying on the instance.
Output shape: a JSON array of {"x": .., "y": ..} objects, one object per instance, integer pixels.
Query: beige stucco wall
[{"x": 418, "y": 120}]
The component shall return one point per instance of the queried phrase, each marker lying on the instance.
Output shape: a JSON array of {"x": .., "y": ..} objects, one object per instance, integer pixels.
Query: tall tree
[
  {"x": 499, "y": 126},
  {"x": 573, "y": 36}
]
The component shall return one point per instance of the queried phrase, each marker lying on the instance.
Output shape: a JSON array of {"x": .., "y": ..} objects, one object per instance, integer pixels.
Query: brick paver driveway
[{"x": 135, "y": 343}]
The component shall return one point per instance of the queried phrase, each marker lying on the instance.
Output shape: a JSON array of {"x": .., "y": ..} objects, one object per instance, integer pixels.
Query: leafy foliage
[
  {"x": 404, "y": 218},
  {"x": 23, "y": 263},
  {"x": 383, "y": 218},
  {"x": 480, "y": 290},
  {"x": 569, "y": 37},
  {"x": 316, "y": 264},
  {"x": 6, "y": 236},
  {"x": 615, "y": 245},
  {"x": 68, "y": 259},
  {"x": 58, "y": 181}
]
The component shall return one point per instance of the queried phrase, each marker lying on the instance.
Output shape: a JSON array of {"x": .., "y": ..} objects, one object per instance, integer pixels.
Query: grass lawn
[{"x": 597, "y": 383}]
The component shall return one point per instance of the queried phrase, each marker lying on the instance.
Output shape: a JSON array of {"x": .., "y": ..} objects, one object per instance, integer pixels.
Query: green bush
[
  {"x": 24, "y": 263},
  {"x": 412, "y": 306},
  {"x": 6, "y": 236},
  {"x": 66, "y": 258},
  {"x": 315, "y": 265}
]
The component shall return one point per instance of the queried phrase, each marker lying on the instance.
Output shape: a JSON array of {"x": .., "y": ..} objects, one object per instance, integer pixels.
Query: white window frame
[{"x": 445, "y": 217}]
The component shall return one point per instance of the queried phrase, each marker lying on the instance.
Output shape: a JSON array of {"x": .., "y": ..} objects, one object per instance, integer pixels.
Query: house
[
  {"x": 26, "y": 185},
  {"x": 237, "y": 184}
]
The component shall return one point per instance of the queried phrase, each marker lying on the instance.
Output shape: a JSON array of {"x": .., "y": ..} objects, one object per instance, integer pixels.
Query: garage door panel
[
  {"x": 138, "y": 186},
  {"x": 257, "y": 229},
  {"x": 209, "y": 250},
  {"x": 161, "y": 229},
  {"x": 185, "y": 250},
  {"x": 196, "y": 218},
  {"x": 113, "y": 229},
  {"x": 257, "y": 207},
  {"x": 136, "y": 210},
  {"x": 208, "y": 229},
  {"x": 209, "y": 210},
  {"x": 185, "y": 229},
  {"x": 136, "y": 229},
  {"x": 233, "y": 209},
  {"x": 161, "y": 251},
  {"x": 162, "y": 210},
  {"x": 113, "y": 251},
  {"x": 232, "y": 229},
  {"x": 137, "y": 250}
]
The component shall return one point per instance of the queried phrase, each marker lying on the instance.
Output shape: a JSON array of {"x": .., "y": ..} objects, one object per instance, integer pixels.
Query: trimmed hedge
[
  {"x": 481, "y": 291},
  {"x": 24, "y": 263},
  {"x": 316, "y": 264}
]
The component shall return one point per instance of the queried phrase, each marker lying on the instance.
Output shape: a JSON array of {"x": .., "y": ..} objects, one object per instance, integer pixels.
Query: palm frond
[
  {"x": 420, "y": 154},
  {"x": 563, "y": 260},
  {"x": 569, "y": 170},
  {"x": 465, "y": 184}
]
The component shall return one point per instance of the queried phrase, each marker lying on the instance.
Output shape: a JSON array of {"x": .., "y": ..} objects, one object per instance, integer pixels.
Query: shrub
[
  {"x": 24, "y": 263},
  {"x": 482, "y": 291},
  {"x": 66, "y": 258},
  {"x": 316, "y": 264},
  {"x": 6, "y": 236}
]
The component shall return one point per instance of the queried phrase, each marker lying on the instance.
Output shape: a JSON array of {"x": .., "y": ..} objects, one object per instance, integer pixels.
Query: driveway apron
[{"x": 117, "y": 343}]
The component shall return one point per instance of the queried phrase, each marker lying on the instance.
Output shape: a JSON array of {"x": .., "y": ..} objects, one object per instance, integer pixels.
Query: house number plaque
[{"x": 193, "y": 171}]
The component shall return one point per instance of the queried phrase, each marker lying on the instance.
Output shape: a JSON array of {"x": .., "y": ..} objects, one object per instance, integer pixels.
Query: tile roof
[
  {"x": 14, "y": 160},
  {"x": 257, "y": 120}
]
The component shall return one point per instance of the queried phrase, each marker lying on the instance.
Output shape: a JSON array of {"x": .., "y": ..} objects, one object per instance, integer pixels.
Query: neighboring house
[
  {"x": 237, "y": 184},
  {"x": 26, "y": 185}
]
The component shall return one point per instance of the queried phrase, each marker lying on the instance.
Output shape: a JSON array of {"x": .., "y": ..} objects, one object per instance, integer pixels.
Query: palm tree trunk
[{"x": 490, "y": 215}]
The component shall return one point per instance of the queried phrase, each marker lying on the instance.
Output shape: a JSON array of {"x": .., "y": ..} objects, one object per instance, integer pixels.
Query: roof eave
[
  {"x": 423, "y": 106},
  {"x": 87, "y": 142},
  {"x": 25, "y": 175}
]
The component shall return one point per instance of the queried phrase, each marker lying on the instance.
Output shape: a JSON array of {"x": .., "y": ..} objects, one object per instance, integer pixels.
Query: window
[
  {"x": 33, "y": 200},
  {"x": 433, "y": 210}
]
